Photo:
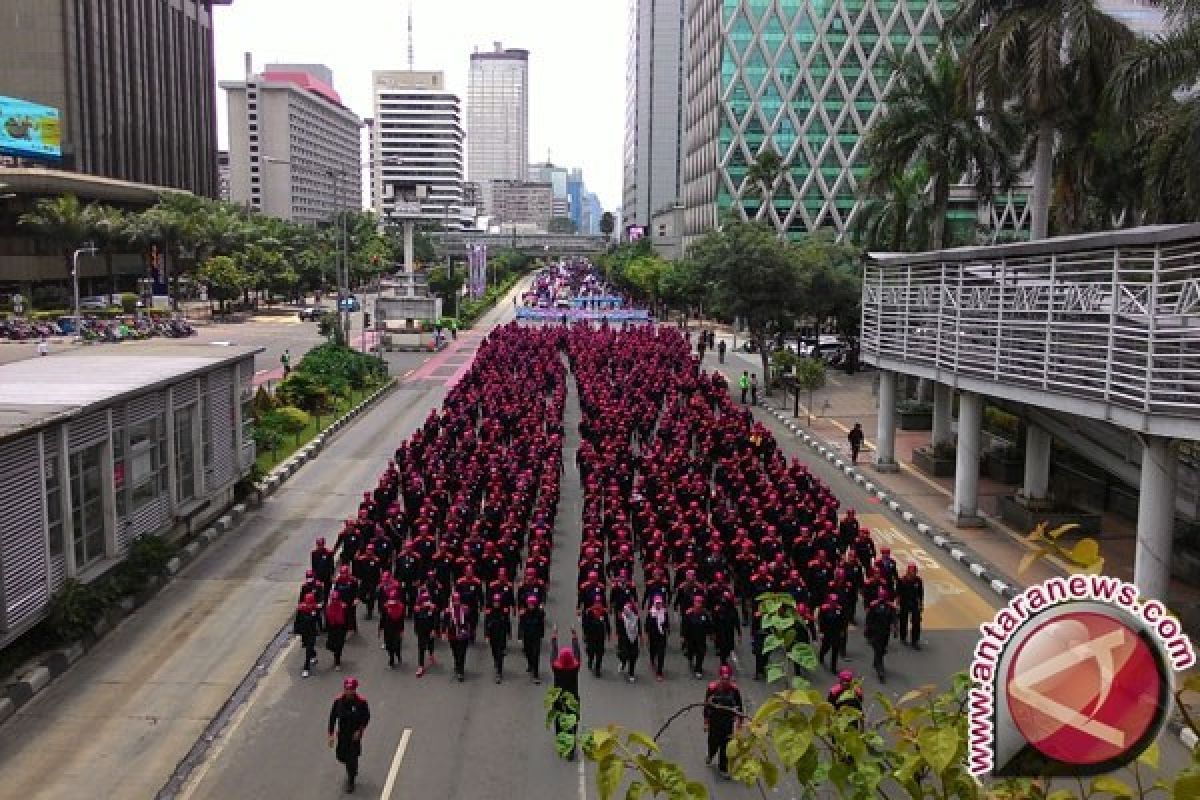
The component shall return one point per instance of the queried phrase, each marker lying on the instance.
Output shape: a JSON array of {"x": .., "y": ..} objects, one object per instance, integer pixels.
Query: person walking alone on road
[
  {"x": 307, "y": 626},
  {"x": 629, "y": 638},
  {"x": 855, "y": 437},
  {"x": 391, "y": 626},
  {"x": 43, "y": 347},
  {"x": 721, "y": 352},
  {"x": 348, "y": 718},
  {"x": 497, "y": 627},
  {"x": 754, "y": 389},
  {"x": 336, "y": 617},
  {"x": 910, "y": 591},
  {"x": 658, "y": 628},
  {"x": 458, "y": 633},
  {"x": 566, "y": 680},
  {"x": 744, "y": 384},
  {"x": 286, "y": 361},
  {"x": 531, "y": 628},
  {"x": 722, "y": 710}
]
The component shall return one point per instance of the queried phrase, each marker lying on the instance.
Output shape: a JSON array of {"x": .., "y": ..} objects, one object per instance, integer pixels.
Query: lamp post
[
  {"x": 344, "y": 275},
  {"x": 91, "y": 251}
]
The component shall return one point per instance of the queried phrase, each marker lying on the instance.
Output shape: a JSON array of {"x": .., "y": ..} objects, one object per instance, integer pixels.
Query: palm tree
[
  {"x": 900, "y": 218},
  {"x": 761, "y": 178},
  {"x": 1034, "y": 54},
  {"x": 62, "y": 220},
  {"x": 111, "y": 230},
  {"x": 930, "y": 122}
]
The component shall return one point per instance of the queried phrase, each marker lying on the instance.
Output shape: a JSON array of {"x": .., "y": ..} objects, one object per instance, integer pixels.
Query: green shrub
[
  {"x": 76, "y": 608},
  {"x": 302, "y": 390},
  {"x": 289, "y": 419},
  {"x": 148, "y": 557},
  {"x": 263, "y": 402},
  {"x": 267, "y": 438},
  {"x": 129, "y": 302},
  {"x": 340, "y": 368}
]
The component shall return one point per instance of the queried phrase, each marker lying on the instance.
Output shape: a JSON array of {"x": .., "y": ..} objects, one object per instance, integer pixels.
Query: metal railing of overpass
[
  {"x": 571, "y": 244},
  {"x": 1104, "y": 325}
]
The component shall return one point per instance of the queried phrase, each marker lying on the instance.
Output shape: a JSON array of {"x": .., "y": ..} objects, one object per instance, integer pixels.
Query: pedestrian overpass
[{"x": 1095, "y": 328}]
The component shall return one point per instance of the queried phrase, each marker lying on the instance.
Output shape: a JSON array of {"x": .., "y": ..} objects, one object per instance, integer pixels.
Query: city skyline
[{"x": 571, "y": 117}]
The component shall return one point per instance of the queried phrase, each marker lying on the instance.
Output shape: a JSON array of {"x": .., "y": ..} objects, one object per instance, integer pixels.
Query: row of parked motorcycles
[{"x": 96, "y": 330}]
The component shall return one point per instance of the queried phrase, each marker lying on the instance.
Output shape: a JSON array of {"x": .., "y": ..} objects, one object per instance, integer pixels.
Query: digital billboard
[
  {"x": 29, "y": 130},
  {"x": 635, "y": 232}
]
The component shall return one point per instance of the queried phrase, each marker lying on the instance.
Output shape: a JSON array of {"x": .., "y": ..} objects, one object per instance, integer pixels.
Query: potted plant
[
  {"x": 1023, "y": 513},
  {"x": 915, "y": 415},
  {"x": 1005, "y": 464},
  {"x": 937, "y": 461}
]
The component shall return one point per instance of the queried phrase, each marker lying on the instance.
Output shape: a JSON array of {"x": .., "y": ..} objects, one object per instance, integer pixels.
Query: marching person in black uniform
[
  {"x": 696, "y": 626},
  {"x": 457, "y": 629},
  {"x": 831, "y": 624},
  {"x": 845, "y": 693},
  {"x": 497, "y": 627},
  {"x": 531, "y": 628},
  {"x": 596, "y": 631},
  {"x": 879, "y": 623},
  {"x": 391, "y": 626},
  {"x": 722, "y": 710},
  {"x": 307, "y": 626},
  {"x": 658, "y": 628},
  {"x": 629, "y": 638},
  {"x": 348, "y": 718},
  {"x": 910, "y": 590},
  {"x": 425, "y": 626}
]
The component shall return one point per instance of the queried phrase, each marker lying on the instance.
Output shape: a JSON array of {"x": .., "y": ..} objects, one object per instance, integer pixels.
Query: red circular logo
[{"x": 1084, "y": 688}]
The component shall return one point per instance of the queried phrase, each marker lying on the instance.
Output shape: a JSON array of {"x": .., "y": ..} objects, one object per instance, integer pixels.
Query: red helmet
[
  {"x": 725, "y": 671},
  {"x": 846, "y": 676},
  {"x": 350, "y": 684}
]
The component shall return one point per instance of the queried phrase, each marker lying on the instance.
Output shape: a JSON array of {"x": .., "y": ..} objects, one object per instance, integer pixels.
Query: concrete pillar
[
  {"x": 943, "y": 405},
  {"x": 1037, "y": 462},
  {"x": 924, "y": 390},
  {"x": 966, "y": 473},
  {"x": 1156, "y": 518},
  {"x": 885, "y": 439},
  {"x": 410, "y": 267}
]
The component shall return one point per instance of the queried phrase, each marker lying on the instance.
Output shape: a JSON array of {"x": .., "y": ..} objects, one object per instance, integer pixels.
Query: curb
[
  {"x": 978, "y": 567},
  {"x": 40, "y": 672}
]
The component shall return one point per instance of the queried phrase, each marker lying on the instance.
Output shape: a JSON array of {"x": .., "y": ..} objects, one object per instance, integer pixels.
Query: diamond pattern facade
[{"x": 805, "y": 77}]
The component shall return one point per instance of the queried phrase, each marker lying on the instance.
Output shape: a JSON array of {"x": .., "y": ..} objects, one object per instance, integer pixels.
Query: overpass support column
[
  {"x": 966, "y": 474},
  {"x": 409, "y": 266},
  {"x": 885, "y": 459},
  {"x": 1156, "y": 518},
  {"x": 943, "y": 403},
  {"x": 1037, "y": 462}
]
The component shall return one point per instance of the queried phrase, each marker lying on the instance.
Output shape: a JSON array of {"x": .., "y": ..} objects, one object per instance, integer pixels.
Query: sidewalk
[{"x": 848, "y": 399}]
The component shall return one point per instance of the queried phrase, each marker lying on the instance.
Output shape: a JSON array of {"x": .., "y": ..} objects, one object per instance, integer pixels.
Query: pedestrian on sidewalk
[
  {"x": 336, "y": 615},
  {"x": 629, "y": 638},
  {"x": 348, "y": 718},
  {"x": 910, "y": 591},
  {"x": 531, "y": 628},
  {"x": 721, "y": 351},
  {"x": 722, "y": 716},
  {"x": 391, "y": 626},
  {"x": 307, "y": 626},
  {"x": 855, "y": 437},
  {"x": 658, "y": 629},
  {"x": 744, "y": 384},
  {"x": 754, "y": 389},
  {"x": 497, "y": 627},
  {"x": 286, "y": 361}
]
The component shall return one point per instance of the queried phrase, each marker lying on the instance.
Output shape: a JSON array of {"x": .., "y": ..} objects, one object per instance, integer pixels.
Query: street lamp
[{"x": 91, "y": 251}]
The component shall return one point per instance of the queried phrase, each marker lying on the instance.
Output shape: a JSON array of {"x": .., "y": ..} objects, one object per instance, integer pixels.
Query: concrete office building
[
  {"x": 592, "y": 212},
  {"x": 417, "y": 168},
  {"x": 294, "y": 147},
  {"x": 497, "y": 119},
  {"x": 804, "y": 79},
  {"x": 523, "y": 203},
  {"x": 134, "y": 82},
  {"x": 654, "y": 86},
  {"x": 100, "y": 447},
  {"x": 546, "y": 172}
]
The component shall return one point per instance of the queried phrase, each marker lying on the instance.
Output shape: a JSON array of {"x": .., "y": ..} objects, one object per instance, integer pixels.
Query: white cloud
[{"x": 577, "y": 60}]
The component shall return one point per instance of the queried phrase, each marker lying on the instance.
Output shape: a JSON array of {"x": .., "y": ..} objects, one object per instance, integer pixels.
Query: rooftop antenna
[{"x": 410, "y": 36}]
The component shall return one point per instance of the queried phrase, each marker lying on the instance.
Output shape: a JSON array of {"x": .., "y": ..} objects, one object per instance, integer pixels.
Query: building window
[
  {"x": 146, "y": 462},
  {"x": 54, "y": 499},
  {"x": 206, "y": 448},
  {"x": 185, "y": 453},
  {"x": 87, "y": 505}
]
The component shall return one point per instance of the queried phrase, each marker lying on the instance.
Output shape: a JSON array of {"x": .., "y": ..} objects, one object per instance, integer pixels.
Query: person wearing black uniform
[
  {"x": 831, "y": 623},
  {"x": 722, "y": 707},
  {"x": 566, "y": 680},
  {"x": 727, "y": 627},
  {"x": 425, "y": 626},
  {"x": 497, "y": 627},
  {"x": 658, "y": 628},
  {"x": 348, "y": 718},
  {"x": 596, "y": 631},
  {"x": 391, "y": 626},
  {"x": 531, "y": 628},
  {"x": 629, "y": 638},
  {"x": 322, "y": 562},
  {"x": 307, "y": 626},
  {"x": 910, "y": 591},
  {"x": 846, "y": 694},
  {"x": 878, "y": 624},
  {"x": 457, "y": 630},
  {"x": 696, "y": 626}
]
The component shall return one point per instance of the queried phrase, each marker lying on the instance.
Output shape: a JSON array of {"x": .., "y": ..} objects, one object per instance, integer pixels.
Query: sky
[{"x": 576, "y": 62}]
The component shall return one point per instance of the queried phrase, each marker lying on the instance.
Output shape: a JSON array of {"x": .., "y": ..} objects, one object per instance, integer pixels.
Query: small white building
[{"x": 101, "y": 445}]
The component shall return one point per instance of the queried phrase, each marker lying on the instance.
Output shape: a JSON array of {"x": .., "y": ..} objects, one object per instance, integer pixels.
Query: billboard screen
[
  {"x": 29, "y": 130},
  {"x": 635, "y": 232}
]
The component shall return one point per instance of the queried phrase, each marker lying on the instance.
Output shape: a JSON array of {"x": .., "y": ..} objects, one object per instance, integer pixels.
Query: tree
[
  {"x": 561, "y": 225},
  {"x": 898, "y": 217},
  {"x": 1034, "y": 55},
  {"x": 831, "y": 281},
  {"x": 446, "y": 282},
  {"x": 646, "y": 273},
  {"x": 930, "y": 124},
  {"x": 608, "y": 223},
  {"x": 224, "y": 278},
  {"x": 810, "y": 376},
  {"x": 751, "y": 275},
  {"x": 761, "y": 179},
  {"x": 63, "y": 220}
]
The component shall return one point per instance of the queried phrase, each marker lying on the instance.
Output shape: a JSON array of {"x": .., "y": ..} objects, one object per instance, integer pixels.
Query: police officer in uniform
[
  {"x": 910, "y": 591},
  {"x": 348, "y": 718}
]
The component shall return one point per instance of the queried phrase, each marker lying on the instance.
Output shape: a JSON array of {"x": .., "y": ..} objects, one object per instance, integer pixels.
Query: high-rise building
[
  {"x": 497, "y": 118},
  {"x": 546, "y": 172},
  {"x": 575, "y": 192},
  {"x": 134, "y": 82},
  {"x": 417, "y": 149},
  {"x": 224, "y": 193},
  {"x": 805, "y": 79},
  {"x": 592, "y": 212},
  {"x": 523, "y": 203},
  {"x": 294, "y": 147},
  {"x": 654, "y": 87}
]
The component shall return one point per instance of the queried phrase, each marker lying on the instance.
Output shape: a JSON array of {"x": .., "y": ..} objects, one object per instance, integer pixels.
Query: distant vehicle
[
  {"x": 98, "y": 303},
  {"x": 349, "y": 303},
  {"x": 311, "y": 313},
  {"x": 826, "y": 347}
]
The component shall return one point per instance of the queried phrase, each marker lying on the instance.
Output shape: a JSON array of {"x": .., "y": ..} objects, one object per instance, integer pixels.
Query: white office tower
[
  {"x": 417, "y": 149},
  {"x": 497, "y": 120}
]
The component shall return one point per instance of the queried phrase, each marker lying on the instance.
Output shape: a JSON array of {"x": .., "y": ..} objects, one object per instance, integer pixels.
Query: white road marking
[
  {"x": 395, "y": 769},
  {"x": 582, "y": 780}
]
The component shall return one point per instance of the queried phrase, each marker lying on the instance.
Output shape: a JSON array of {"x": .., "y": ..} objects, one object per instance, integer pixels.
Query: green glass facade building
[{"x": 803, "y": 77}]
